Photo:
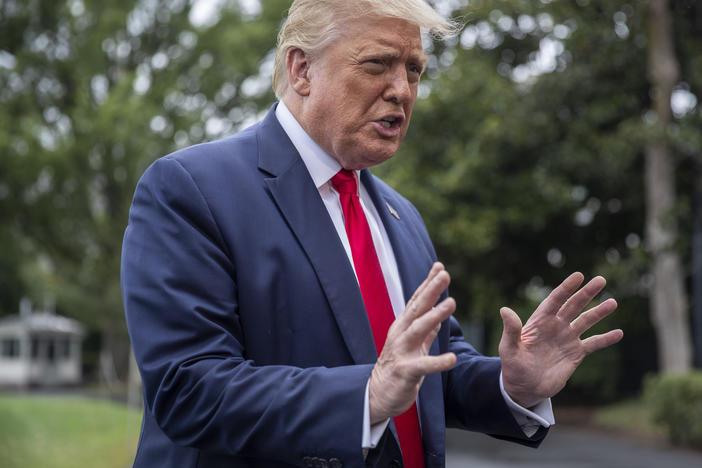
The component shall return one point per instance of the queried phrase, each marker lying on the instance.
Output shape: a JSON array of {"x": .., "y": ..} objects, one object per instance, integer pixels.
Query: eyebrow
[{"x": 392, "y": 52}]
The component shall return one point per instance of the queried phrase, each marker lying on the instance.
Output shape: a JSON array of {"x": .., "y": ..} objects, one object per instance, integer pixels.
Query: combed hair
[{"x": 311, "y": 25}]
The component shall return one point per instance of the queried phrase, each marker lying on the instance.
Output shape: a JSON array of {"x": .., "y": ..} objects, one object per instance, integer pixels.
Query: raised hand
[
  {"x": 539, "y": 358},
  {"x": 405, "y": 359}
]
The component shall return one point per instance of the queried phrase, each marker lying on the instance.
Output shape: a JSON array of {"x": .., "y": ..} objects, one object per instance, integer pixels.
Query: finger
[
  {"x": 426, "y": 299},
  {"x": 511, "y": 328},
  {"x": 561, "y": 293},
  {"x": 433, "y": 271},
  {"x": 582, "y": 298},
  {"x": 590, "y": 317},
  {"x": 596, "y": 342},
  {"x": 423, "y": 326},
  {"x": 425, "y": 365},
  {"x": 429, "y": 339}
]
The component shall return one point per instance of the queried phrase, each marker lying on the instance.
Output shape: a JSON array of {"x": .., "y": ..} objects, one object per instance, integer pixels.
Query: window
[
  {"x": 10, "y": 348},
  {"x": 50, "y": 350},
  {"x": 35, "y": 348},
  {"x": 64, "y": 348}
]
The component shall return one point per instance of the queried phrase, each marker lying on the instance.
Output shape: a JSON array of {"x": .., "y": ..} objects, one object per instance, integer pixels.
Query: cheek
[
  {"x": 364, "y": 93},
  {"x": 408, "y": 114},
  {"x": 410, "y": 104}
]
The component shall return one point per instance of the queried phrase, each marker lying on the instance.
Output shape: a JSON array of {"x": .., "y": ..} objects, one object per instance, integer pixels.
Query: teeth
[{"x": 385, "y": 123}]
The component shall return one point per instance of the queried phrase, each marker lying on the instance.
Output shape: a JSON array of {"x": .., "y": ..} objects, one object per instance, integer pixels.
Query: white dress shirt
[{"x": 322, "y": 167}]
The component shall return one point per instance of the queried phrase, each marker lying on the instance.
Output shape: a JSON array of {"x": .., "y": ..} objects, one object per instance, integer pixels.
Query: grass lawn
[
  {"x": 631, "y": 416},
  {"x": 58, "y": 432}
]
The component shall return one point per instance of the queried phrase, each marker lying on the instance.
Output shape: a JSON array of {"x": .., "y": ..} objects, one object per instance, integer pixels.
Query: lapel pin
[{"x": 392, "y": 210}]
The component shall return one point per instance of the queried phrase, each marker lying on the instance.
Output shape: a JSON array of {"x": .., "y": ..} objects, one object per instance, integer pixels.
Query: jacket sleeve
[
  {"x": 473, "y": 399},
  {"x": 180, "y": 297}
]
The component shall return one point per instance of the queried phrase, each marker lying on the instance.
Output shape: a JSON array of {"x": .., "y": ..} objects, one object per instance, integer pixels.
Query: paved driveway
[{"x": 566, "y": 447}]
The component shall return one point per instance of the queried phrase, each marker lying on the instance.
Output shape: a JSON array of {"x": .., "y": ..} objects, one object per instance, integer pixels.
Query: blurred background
[{"x": 549, "y": 136}]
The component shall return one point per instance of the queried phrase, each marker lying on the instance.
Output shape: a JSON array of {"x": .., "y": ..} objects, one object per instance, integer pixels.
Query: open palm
[{"x": 539, "y": 357}]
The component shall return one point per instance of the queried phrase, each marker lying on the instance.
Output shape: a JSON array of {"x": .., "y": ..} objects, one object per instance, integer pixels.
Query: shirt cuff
[
  {"x": 371, "y": 434},
  {"x": 530, "y": 419}
]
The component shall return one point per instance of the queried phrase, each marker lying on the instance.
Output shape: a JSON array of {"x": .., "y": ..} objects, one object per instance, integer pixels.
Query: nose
[{"x": 398, "y": 88}]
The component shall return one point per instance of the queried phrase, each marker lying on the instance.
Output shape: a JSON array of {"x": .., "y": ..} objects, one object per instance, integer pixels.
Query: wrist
[
  {"x": 522, "y": 398},
  {"x": 524, "y": 403},
  {"x": 377, "y": 411}
]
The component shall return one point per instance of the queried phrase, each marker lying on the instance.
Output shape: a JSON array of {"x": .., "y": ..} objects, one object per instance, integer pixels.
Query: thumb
[{"x": 512, "y": 327}]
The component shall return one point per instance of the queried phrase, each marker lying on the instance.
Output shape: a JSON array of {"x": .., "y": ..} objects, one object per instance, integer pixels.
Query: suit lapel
[
  {"x": 299, "y": 202},
  {"x": 403, "y": 243},
  {"x": 400, "y": 237},
  {"x": 400, "y": 233}
]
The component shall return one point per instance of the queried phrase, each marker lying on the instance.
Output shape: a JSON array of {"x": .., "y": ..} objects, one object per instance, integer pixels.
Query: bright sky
[{"x": 206, "y": 12}]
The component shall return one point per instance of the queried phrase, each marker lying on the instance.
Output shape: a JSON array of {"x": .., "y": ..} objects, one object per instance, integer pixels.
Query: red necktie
[{"x": 377, "y": 302}]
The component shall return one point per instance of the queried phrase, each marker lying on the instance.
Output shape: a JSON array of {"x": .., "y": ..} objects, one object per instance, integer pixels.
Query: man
[{"x": 258, "y": 275}]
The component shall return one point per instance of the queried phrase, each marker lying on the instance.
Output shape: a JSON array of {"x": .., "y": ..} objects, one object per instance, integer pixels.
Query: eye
[
  {"x": 374, "y": 66},
  {"x": 417, "y": 69},
  {"x": 414, "y": 72}
]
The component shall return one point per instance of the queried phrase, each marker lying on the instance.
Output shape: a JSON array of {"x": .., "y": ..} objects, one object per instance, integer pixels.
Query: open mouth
[{"x": 390, "y": 122}]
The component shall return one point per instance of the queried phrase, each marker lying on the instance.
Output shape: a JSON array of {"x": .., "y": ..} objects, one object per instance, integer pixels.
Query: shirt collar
[{"x": 320, "y": 164}]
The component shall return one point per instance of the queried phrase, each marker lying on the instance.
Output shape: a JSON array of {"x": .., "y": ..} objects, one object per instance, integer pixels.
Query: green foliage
[
  {"x": 632, "y": 416},
  {"x": 523, "y": 174},
  {"x": 676, "y": 403},
  {"x": 66, "y": 432},
  {"x": 524, "y": 177},
  {"x": 589, "y": 384},
  {"x": 90, "y": 94}
]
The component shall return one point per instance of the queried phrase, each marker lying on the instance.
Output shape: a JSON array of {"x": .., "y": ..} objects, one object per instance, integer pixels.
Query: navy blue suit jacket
[{"x": 248, "y": 325}]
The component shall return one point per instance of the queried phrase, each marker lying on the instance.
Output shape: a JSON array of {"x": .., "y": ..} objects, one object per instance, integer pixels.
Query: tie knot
[{"x": 344, "y": 182}]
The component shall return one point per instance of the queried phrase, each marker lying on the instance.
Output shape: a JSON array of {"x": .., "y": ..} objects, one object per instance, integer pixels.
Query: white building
[{"x": 39, "y": 348}]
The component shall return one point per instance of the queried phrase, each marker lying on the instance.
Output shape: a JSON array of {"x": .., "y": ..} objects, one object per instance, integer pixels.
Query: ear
[{"x": 298, "y": 64}]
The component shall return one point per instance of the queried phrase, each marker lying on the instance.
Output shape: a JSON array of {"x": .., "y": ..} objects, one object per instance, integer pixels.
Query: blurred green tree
[
  {"x": 526, "y": 153},
  {"x": 92, "y": 93},
  {"x": 526, "y": 158}
]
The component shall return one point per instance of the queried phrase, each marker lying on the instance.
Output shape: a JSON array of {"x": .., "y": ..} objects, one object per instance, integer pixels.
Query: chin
[
  {"x": 362, "y": 156},
  {"x": 376, "y": 158},
  {"x": 387, "y": 153}
]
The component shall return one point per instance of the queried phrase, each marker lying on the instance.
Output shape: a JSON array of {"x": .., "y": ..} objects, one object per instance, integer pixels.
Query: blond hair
[{"x": 311, "y": 25}]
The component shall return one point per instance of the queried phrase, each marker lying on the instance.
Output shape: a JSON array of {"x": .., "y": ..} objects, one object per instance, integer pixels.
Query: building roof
[{"x": 43, "y": 322}]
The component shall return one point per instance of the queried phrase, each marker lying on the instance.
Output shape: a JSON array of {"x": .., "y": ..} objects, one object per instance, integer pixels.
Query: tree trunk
[
  {"x": 133, "y": 383},
  {"x": 108, "y": 370},
  {"x": 697, "y": 262},
  {"x": 668, "y": 303}
]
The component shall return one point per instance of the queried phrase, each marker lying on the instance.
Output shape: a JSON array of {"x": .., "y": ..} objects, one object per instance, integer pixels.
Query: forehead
[{"x": 391, "y": 35}]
